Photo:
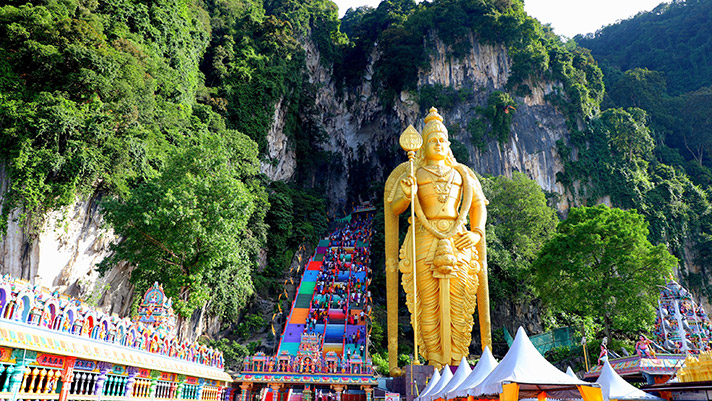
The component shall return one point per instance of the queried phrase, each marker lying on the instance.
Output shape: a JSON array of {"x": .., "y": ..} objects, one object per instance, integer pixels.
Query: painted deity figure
[
  {"x": 603, "y": 355},
  {"x": 450, "y": 256},
  {"x": 643, "y": 349}
]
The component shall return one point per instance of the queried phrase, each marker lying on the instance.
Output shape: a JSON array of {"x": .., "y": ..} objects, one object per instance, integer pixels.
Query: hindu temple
[{"x": 53, "y": 347}]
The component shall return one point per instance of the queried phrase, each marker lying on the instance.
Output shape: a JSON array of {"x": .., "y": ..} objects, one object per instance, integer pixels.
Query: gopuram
[
  {"x": 323, "y": 351},
  {"x": 682, "y": 332},
  {"x": 53, "y": 347},
  {"x": 443, "y": 262}
]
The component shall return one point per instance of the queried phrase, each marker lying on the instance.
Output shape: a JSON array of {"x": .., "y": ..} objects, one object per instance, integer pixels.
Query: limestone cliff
[
  {"x": 364, "y": 134},
  {"x": 62, "y": 255}
]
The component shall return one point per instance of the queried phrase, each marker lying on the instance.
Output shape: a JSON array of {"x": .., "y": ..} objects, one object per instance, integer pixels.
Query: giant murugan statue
[{"x": 450, "y": 269}]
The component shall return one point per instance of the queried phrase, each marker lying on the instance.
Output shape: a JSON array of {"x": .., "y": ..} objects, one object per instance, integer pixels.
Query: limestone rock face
[
  {"x": 63, "y": 254},
  {"x": 364, "y": 135},
  {"x": 281, "y": 161}
]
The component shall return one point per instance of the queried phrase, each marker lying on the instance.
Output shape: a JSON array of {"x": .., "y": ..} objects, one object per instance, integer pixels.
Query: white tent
[
  {"x": 614, "y": 387},
  {"x": 524, "y": 373},
  {"x": 460, "y": 374},
  {"x": 482, "y": 369},
  {"x": 434, "y": 379},
  {"x": 445, "y": 378},
  {"x": 570, "y": 372}
]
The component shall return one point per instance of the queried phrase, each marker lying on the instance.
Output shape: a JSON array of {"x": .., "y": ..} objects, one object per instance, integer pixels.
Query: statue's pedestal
[{"x": 416, "y": 375}]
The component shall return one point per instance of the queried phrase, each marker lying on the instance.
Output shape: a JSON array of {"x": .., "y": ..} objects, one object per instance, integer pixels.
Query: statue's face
[{"x": 437, "y": 146}]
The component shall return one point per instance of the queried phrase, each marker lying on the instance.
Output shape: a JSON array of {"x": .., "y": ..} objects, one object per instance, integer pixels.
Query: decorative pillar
[
  {"x": 180, "y": 386},
  {"x": 66, "y": 377},
  {"x": 154, "y": 381},
  {"x": 172, "y": 390},
  {"x": 307, "y": 393},
  {"x": 132, "y": 372},
  {"x": 104, "y": 368},
  {"x": 201, "y": 384},
  {"x": 369, "y": 392},
  {"x": 275, "y": 387},
  {"x": 6, "y": 386},
  {"x": 339, "y": 389},
  {"x": 18, "y": 375},
  {"x": 14, "y": 374},
  {"x": 245, "y": 387}
]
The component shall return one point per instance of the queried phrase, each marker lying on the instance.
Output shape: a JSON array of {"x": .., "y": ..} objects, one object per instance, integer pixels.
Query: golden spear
[{"x": 410, "y": 140}]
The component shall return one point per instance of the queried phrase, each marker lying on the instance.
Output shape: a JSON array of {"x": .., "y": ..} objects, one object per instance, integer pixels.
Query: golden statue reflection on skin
[{"x": 451, "y": 267}]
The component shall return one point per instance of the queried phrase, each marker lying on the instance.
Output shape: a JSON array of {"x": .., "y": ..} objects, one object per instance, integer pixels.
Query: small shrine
[{"x": 156, "y": 310}]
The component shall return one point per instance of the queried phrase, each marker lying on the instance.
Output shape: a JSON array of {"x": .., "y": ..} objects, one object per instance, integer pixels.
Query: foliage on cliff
[
  {"x": 93, "y": 94},
  {"x": 674, "y": 38},
  {"x": 145, "y": 103},
  {"x": 202, "y": 228},
  {"x": 658, "y": 61},
  {"x": 406, "y": 32},
  {"x": 650, "y": 149}
]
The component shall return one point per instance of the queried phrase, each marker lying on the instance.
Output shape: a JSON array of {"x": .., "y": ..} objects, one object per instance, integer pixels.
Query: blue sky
[{"x": 567, "y": 17}]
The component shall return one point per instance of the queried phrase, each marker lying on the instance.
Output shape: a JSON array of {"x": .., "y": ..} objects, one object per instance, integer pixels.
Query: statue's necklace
[{"x": 442, "y": 182}]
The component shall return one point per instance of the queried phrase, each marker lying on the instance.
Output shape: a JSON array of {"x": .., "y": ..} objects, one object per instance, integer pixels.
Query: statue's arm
[
  {"x": 400, "y": 193},
  {"x": 478, "y": 219}
]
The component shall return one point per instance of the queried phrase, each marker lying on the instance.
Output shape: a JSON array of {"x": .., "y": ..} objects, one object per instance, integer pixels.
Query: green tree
[
  {"x": 196, "y": 227},
  {"x": 696, "y": 121},
  {"x": 629, "y": 136},
  {"x": 519, "y": 222},
  {"x": 600, "y": 264}
]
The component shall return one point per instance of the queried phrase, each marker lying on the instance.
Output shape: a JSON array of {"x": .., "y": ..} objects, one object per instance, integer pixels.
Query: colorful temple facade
[
  {"x": 53, "y": 347},
  {"x": 323, "y": 351}
]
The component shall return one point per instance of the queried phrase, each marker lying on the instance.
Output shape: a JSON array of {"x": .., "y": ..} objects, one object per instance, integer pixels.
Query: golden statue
[{"x": 451, "y": 263}]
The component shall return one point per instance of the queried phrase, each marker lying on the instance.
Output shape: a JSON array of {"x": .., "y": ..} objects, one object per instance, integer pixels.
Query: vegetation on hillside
[
  {"x": 599, "y": 264},
  {"x": 659, "y": 96},
  {"x": 405, "y": 33},
  {"x": 674, "y": 38},
  {"x": 165, "y": 103}
]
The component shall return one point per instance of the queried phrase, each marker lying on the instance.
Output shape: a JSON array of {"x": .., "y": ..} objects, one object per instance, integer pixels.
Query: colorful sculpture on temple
[
  {"x": 450, "y": 269},
  {"x": 156, "y": 309},
  {"x": 643, "y": 348},
  {"x": 603, "y": 355},
  {"x": 681, "y": 325}
]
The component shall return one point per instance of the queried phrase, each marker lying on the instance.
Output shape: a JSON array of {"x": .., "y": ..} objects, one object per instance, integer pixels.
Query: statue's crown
[{"x": 433, "y": 123}]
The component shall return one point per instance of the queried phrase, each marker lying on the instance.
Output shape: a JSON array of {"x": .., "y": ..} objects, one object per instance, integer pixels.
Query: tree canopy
[
  {"x": 519, "y": 222},
  {"x": 196, "y": 227},
  {"x": 599, "y": 264}
]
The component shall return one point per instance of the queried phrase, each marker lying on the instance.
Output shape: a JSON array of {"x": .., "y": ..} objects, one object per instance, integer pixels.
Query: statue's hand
[
  {"x": 467, "y": 239},
  {"x": 409, "y": 185}
]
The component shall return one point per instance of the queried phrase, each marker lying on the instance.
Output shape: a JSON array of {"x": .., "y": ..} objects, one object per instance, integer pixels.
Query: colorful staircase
[{"x": 336, "y": 332}]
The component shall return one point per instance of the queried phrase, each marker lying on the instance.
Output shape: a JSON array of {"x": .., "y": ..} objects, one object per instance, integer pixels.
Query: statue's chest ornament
[{"x": 442, "y": 179}]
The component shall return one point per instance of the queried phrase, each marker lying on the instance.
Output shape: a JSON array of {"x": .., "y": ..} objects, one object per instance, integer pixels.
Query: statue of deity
[{"x": 450, "y": 256}]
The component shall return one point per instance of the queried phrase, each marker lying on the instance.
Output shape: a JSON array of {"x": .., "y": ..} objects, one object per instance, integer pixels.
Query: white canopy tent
[
  {"x": 434, "y": 379},
  {"x": 524, "y": 373},
  {"x": 483, "y": 368},
  {"x": 570, "y": 372},
  {"x": 445, "y": 378},
  {"x": 614, "y": 387},
  {"x": 462, "y": 372}
]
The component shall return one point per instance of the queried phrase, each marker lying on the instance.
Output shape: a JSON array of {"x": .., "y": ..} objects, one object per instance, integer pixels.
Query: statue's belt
[{"x": 442, "y": 225}]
